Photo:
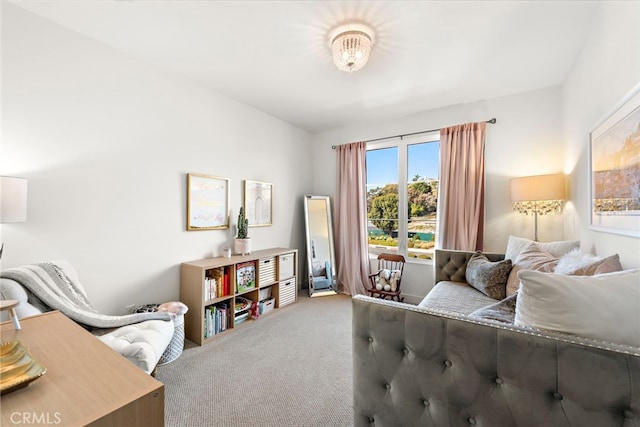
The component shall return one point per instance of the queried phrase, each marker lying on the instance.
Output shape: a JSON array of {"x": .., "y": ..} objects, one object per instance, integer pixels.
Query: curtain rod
[{"x": 492, "y": 121}]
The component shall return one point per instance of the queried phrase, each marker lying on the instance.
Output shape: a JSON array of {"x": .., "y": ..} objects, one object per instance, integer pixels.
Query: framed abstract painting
[{"x": 614, "y": 170}]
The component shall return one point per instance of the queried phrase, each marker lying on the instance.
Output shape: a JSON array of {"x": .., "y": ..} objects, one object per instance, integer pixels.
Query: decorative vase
[{"x": 242, "y": 246}]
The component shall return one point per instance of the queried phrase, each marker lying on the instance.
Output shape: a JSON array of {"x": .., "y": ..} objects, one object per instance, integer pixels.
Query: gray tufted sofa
[{"x": 419, "y": 366}]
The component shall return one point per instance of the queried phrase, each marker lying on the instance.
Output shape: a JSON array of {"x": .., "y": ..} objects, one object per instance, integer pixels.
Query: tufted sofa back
[
  {"x": 415, "y": 367},
  {"x": 451, "y": 265}
]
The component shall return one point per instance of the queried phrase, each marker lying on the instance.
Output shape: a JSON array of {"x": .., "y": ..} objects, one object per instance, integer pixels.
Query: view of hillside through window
[{"x": 385, "y": 232}]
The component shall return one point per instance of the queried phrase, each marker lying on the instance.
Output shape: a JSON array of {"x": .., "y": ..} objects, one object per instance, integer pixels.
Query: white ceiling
[{"x": 274, "y": 55}]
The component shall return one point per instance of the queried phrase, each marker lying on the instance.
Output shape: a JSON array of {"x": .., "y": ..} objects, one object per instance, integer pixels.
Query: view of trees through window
[{"x": 415, "y": 236}]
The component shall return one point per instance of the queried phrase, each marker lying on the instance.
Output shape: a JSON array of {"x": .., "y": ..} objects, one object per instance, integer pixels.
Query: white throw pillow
[
  {"x": 604, "y": 307},
  {"x": 515, "y": 245}
]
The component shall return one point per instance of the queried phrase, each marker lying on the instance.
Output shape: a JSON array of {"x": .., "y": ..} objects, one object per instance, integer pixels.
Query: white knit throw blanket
[{"x": 56, "y": 289}]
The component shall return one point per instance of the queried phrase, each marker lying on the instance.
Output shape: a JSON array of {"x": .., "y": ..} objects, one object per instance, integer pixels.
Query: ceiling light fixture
[{"x": 351, "y": 45}]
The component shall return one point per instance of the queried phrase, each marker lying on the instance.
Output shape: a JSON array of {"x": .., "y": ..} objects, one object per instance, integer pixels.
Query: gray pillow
[{"x": 488, "y": 277}]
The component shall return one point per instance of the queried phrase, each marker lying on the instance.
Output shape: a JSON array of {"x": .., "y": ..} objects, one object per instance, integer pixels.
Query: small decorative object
[
  {"x": 226, "y": 252},
  {"x": 242, "y": 241},
  {"x": 615, "y": 170},
  {"x": 19, "y": 367}
]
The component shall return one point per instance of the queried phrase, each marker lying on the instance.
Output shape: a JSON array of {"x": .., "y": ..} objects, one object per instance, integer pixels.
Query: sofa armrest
[
  {"x": 451, "y": 265},
  {"x": 417, "y": 367},
  {"x": 12, "y": 290}
]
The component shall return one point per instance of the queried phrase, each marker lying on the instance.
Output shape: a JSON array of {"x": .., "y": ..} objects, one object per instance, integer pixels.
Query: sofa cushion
[
  {"x": 455, "y": 297},
  {"x": 488, "y": 277},
  {"x": 604, "y": 307},
  {"x": 531, "y": 258},
  {"x": 142, "y": 343},
  {"x": 515, "y": 245},
  {"x": 502, "y": 311}
]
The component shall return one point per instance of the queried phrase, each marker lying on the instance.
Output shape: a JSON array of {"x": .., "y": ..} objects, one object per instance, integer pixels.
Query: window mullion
[{"x": 402, "y": 199}]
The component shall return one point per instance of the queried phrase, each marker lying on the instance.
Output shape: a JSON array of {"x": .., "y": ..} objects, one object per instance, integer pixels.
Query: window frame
[{"x": 402, "y": 180}]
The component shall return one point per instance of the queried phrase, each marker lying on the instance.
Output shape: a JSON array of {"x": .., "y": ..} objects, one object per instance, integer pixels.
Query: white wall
[
  {"x": 607, "y": 69},
  {"x": 526, "y": 140},
  {"x": 106, "y": 141}
]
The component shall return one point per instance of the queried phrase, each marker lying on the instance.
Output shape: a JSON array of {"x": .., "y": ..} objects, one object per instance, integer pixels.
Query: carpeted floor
[{"x": 291, "y": 367}]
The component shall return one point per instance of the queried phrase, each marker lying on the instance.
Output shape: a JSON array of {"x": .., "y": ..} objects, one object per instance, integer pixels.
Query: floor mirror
[{"x": 321, "y": 261}]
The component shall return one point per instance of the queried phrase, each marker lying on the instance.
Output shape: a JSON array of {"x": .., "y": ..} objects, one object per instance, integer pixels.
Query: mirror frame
[{"x": 333, "y": 287}]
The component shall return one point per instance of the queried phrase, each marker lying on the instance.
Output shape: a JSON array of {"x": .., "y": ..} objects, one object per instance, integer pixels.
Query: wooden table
[{"x": 86, "y": 382}]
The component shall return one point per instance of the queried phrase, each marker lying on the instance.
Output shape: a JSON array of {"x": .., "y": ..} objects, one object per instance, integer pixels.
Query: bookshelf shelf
[{"x": 212, "y": 287}]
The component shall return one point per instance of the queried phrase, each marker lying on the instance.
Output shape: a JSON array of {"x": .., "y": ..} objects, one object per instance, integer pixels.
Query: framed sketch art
[
  {"x": 258, "y": 203},
  {"x": 207, "y": 202},
  {"x": 614, "y": 174}
]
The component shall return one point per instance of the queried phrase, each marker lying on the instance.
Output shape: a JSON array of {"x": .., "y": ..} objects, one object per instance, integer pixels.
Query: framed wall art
[
  {"x": 207, "y": 202},
  {"x": 614, "y": 170},
  {"x": 258, "y": 203}
]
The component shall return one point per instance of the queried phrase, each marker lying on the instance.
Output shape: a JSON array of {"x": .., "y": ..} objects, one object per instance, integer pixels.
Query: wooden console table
[{"x": 86, "y": 382}]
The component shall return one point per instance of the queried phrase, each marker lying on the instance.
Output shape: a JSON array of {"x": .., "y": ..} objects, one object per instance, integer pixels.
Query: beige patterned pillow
[
  {"x": 531, "y": 258},
  {"x": 488, "y": 277}
]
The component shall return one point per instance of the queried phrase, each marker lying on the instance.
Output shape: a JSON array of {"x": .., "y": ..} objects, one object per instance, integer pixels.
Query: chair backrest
[{"x": 390, "y": 262}]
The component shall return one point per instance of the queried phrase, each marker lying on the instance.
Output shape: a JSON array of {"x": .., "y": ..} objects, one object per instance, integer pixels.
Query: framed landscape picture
[
  {"x": 207, "y": 202},
  {"x": 258, "y": 203},
  {"x": 614, "y": 175}
]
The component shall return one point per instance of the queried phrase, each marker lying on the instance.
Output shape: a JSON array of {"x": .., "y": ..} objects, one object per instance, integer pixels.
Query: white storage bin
[
  {"x": 288, "y": 292},
  {"x": 285, "y": 266},
  {"x": 267, "y": 305},
  {"x": 266, "y": 271}
]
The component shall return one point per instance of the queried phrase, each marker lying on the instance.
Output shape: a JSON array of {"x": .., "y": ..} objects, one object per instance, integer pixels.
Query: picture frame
[
  {"x": 258, "y": 203},
  {"x": 614, "y": 170},
  {"x": 207, "y": 202}
]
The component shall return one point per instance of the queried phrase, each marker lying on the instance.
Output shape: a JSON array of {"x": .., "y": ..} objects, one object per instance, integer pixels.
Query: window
[{"x": 402, "y": 195}]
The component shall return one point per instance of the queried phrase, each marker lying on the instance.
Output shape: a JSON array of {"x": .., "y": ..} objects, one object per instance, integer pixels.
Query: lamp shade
[
  {"x": 13, "y": 199},
  {"x": 538, "y": 188}
]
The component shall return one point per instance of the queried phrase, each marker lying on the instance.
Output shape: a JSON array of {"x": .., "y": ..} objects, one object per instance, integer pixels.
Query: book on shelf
[
  {"x": 217, "y": 283},
  {"x": 245, "y": 276},
  {"x": 216, "y": 318}
]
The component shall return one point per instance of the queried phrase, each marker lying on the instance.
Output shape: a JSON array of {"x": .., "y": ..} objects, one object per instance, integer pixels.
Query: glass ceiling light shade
[{"x": 350, "y": 45}]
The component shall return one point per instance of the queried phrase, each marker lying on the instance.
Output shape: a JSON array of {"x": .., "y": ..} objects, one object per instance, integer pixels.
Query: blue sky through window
[{"x": 382, "y": 164}]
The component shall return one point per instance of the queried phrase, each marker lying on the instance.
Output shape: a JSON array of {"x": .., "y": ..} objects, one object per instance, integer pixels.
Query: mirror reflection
[{"x": 320, "y": 251}]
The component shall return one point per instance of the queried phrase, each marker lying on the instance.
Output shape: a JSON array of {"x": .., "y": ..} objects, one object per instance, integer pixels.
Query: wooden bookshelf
[{"x": 212, "y": 287}]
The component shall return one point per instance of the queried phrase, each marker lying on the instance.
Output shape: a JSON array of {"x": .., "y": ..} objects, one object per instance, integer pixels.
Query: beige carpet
[{"x": 291, "y": 367}]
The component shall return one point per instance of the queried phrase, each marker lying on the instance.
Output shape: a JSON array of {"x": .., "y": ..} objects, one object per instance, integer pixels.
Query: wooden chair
[{"x": 387, "y": 263}]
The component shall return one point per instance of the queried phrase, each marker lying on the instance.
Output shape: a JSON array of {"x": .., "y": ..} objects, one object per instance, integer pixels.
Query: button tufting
[
  {"x": 448, "y": 363},
  {"x": 371, "y": 419},
  {"x": 628, "y": 414},
  {"x": 557, "y": 396},
  {"x": 471, "y": 420},
  {"x": 499, "y": 380},
  {"x": 388, "y": 386},
  {"x": 405, "y": 350},
  {"x": 370, "y": 339},
  {"x": 426, "y": 402}
]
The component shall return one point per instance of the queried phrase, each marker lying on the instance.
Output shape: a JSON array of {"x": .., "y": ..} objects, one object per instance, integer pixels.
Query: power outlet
[{"x": 129, "y": 308}]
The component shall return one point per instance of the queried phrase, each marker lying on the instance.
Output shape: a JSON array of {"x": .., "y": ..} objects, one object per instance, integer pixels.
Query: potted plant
[{"x": 242, "y": 243}]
